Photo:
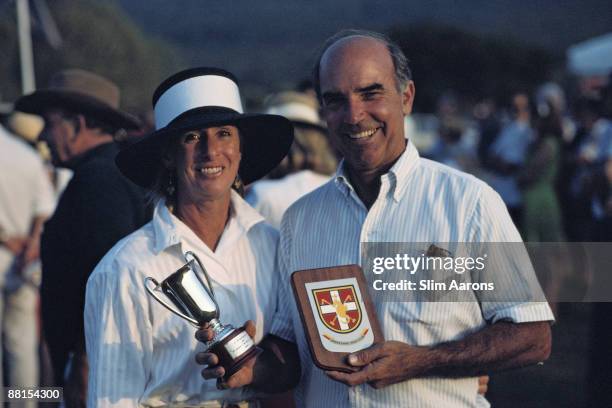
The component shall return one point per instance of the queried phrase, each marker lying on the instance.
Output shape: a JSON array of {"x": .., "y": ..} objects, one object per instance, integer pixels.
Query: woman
[
  {"x": 140, "y": 354},
  {"x": 542, "y": 213}
]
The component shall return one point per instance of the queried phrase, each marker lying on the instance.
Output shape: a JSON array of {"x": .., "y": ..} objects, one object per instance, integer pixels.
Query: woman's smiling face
[{"x": 207, "y": 162}]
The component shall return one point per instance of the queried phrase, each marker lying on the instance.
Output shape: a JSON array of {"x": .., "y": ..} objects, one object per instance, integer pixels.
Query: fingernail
[{"x": 352, "y": 359}]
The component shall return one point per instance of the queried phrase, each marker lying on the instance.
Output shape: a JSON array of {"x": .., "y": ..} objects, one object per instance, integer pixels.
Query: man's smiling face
[{"x": 362, "y": 105}]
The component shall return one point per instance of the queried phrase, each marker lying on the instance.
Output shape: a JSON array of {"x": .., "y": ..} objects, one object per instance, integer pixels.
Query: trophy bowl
[{"x": 194, "y": 301}]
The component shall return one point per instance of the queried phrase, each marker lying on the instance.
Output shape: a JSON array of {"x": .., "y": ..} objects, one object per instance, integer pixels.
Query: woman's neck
[{"x": 206, "y": 219}]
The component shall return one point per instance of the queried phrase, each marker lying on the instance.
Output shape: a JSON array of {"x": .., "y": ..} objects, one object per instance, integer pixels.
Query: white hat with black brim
[{"x": 198, "y": 98}]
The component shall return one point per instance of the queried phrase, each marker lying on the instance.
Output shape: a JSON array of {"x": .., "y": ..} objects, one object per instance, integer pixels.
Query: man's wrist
[
  {"x": 260, "y": 371},
  {"x": 277, "y": 368}
]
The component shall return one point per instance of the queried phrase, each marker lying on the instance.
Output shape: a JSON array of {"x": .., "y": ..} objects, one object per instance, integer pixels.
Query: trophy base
[{"x": 234, "y": 350}]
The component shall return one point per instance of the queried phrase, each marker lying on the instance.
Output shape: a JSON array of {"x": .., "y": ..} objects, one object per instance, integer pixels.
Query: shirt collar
[
  {"x": 166, "y": 235},
  {"x": 403, "y": 169},
  {"x": 398, "y": 175}
]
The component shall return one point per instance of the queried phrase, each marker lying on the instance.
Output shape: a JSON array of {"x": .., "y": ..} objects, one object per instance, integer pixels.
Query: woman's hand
[{"x": 242, "y": 377}]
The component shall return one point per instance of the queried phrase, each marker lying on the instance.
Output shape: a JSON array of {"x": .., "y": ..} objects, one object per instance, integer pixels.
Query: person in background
[
  {"x": 507, "y": 155},
  {"x": 26, "y": 201},
  {"x": 600, "y": 358},
  {"x": 29, "y": 127},
  {"x": 585, "y": 164},
  {"x": 541, "y": 209},
  {"x": 98, "y": 207},
  {"x": 308, "y": 165},
  {"x": 450, "y": 149},
  {"x": 486, "y": 116}
]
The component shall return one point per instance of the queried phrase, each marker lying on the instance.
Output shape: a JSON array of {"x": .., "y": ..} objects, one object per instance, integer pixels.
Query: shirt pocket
[{"x": 418, "y": 323}]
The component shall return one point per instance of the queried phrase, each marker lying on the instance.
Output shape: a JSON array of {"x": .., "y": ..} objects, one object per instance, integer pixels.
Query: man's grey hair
[{"x": 403, "y": 74}]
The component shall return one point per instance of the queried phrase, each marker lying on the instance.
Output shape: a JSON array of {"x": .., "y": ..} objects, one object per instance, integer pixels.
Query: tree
[
  {"x": 98, "y": 37},
  {"x": 445, "y": 58}
]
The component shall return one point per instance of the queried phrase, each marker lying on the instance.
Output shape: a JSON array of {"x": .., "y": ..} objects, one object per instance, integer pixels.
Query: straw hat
[{"x": 82, "y": 92}]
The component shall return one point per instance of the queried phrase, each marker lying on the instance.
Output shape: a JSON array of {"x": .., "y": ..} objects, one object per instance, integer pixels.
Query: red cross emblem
[{"x": 338, "y": 308}]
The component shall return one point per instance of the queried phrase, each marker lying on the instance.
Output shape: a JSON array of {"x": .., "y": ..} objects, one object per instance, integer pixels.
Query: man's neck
[
  {"x": 83, "y": 149},
  {"x": 85, "y": 142},
  {"x": 367, "y": 182},
  {"x": 94, "y": 140}
]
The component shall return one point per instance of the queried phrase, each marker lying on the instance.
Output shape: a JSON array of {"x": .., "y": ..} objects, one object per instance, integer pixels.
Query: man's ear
[
  {"x": 408, "y": 98},
  {"x": 79, "y": 124}
]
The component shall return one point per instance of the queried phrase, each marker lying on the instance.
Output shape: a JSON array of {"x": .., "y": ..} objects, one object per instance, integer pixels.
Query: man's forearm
[
  {"x": 278, "y": 368},
  {"x": 497, "y": 347}
]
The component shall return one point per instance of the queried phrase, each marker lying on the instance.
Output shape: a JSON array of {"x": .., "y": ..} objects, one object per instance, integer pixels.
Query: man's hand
[
  {"x": 18, "y": 247},
  {"x": 31, "y": 251},
  {"x": 389, "y": 363},
  {"x": 384, "y": 364},
  {"x": 240, "y": 378},
  {"x": 15, "y": 244}
]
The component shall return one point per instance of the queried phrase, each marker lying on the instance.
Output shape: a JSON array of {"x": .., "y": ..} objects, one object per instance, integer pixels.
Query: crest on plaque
[{"x": 338, "y": 308}]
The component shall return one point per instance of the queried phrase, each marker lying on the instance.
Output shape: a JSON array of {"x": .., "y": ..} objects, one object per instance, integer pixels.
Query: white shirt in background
[
  {"x": 271, "y": 198},
  {"x": 511, "y": 146},
  {"x": 25, "y": 192}
]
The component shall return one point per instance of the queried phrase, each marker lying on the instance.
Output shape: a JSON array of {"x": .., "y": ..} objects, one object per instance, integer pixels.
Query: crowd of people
[
  {"x": 548, "y": 158},
  {"x": 329, "y": 167}
]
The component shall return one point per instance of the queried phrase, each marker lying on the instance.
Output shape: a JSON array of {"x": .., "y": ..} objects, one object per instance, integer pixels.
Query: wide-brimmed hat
[
  {"x": 81, "y": 92},
  {"x": 198, "y": 98},
  {"x": 298, "y": 107}
]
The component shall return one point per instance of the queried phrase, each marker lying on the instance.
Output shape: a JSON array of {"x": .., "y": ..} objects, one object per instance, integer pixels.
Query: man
[
  {"x": 507, "y": 155},
  {"x": 383, "y": 192},
  {"x": 26, "y": 200},
  {"x": 98, "y": 207}
]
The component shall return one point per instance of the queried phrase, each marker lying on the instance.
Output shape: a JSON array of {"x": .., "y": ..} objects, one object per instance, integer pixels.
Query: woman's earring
[
  {"x": 238, "y": 185},
  {"x": 170, "y": 189}
]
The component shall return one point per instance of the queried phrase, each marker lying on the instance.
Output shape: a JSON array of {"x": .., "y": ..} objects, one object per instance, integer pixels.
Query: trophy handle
[{"x": 164, "y": 303}]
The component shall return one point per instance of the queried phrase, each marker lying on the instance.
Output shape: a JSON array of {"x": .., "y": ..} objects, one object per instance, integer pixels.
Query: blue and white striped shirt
[{"x": 419, "y": 201}]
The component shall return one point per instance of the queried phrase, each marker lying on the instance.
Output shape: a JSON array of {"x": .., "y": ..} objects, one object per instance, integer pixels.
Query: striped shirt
[
  {"x": 419, "y": 201},
  {"x": 140, "y": 354}
]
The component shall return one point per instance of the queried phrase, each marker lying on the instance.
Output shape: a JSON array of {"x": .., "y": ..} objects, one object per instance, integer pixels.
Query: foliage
[
  {"x": 447, "y": 59},
  {"x": 97, "y": 36}
]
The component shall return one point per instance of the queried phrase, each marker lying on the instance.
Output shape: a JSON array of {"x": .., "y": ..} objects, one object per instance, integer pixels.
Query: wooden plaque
[{"x": 337, "y": 314}]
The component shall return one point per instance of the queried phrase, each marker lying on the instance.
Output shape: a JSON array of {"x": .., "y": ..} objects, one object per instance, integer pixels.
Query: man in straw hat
[
  {"x": 98, "y": 207},
  {"x": 383, "y": 192}
]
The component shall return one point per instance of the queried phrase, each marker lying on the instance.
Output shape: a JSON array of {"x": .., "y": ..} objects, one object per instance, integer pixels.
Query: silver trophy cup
[{"x": 195, "y": 302}]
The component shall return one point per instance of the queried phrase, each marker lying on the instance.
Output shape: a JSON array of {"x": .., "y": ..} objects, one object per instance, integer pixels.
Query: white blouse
[{"x": 140, "y": 354}]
